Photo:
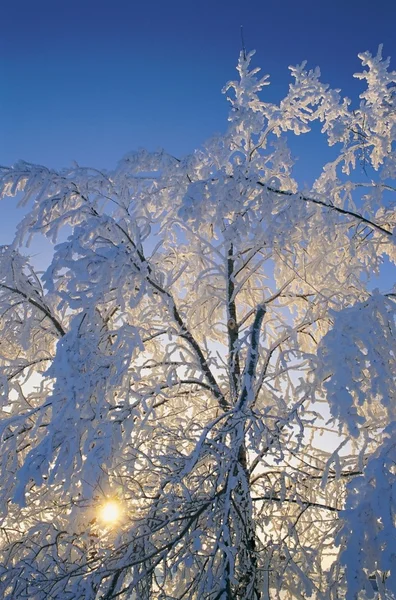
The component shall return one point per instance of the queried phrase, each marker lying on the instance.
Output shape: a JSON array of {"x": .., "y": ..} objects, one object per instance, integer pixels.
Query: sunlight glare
[{"x": 110, "y": 512}]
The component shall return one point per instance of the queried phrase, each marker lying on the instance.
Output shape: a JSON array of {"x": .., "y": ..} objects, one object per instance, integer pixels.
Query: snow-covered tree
[{"x": 207, "y": 351}]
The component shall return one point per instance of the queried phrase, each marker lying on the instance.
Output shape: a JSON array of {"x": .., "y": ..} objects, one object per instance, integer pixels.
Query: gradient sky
[{"x": 90, "y": 81}]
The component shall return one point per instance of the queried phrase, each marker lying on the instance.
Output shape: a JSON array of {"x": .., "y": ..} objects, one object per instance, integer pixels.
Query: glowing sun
[{"x": 110, "y": 512}]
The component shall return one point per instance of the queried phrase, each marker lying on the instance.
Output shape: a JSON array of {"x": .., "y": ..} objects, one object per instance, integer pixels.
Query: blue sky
[{"x": 90, "y": 81}]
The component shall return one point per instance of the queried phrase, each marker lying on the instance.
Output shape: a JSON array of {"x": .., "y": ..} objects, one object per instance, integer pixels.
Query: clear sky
[{"x": 90, "y": 81}]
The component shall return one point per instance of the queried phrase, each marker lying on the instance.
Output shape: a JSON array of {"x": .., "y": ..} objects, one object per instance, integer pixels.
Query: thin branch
[
  {"x": 342, "y": 211},
  {"x": 44, "y": 309},
  {"x": 170, "y": 303},
  {"x": 300, "y": 503}
]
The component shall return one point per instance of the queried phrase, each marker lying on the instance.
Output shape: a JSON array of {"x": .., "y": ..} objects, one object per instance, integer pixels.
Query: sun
[{"x": 110, "y": 512}]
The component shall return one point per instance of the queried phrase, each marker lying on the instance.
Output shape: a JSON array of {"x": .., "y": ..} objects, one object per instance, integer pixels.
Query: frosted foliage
[
  {"x": 369, "y": 530},
  {"x": 358, "y": 358},
  {"x": 205, "y": 349}
]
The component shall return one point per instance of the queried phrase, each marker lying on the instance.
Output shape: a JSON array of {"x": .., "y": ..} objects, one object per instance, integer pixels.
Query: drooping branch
[
  {"x": 342, "y": 211},
  {"x": 302, "y": 503},
  {"x": 44, "y": 309},
  {"x": 27, "y": 365},
  {"x": 166, "y": 295},
  {"x": 338, "y": 209},
  {"x": 173, "y": 309}
]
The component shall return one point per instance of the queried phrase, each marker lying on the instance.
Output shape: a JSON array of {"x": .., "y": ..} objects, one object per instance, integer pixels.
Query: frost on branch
[
  {"x": 358, "y": 359},
  {"x": 358, "y": 355},
  {"x": 198, "y": 322},
  {"x": 88, "y": 371},
  {"x": 369, "y": 530}
]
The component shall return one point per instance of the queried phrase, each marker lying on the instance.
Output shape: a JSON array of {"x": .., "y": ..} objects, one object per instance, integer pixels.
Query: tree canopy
[{"x": 207, "y": 352}]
